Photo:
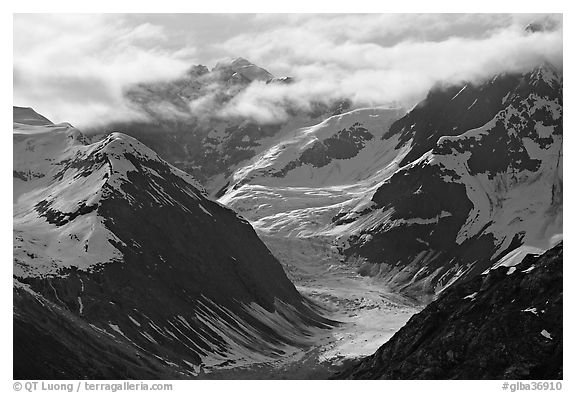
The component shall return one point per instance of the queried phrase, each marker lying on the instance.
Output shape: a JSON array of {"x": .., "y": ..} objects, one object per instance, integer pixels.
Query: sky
[{"x": 75, "y": 68}]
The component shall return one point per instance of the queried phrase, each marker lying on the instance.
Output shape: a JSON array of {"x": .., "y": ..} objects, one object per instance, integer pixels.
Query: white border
[{"x": 242, "y": 6}]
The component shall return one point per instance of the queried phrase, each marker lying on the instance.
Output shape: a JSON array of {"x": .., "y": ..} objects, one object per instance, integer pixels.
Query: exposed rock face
[
  {"x": 477, "y": 184},
  {"x": 345, "y": 144},
  {"x": 123, "y": 268},
  {"x": 451, "y": 110},
  {"x": 506, "y": 324}
]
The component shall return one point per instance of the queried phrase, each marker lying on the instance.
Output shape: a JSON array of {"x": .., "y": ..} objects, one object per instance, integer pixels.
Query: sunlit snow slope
[
  {"x": 297, "y": 186},
  {"x": 469, "y": 178},
  {"x": 123, "y": 268}
]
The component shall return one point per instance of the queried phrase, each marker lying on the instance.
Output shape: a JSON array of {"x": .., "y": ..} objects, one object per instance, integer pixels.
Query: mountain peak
[
  {"x": 198, "y": 70},
  {"x": 546, "y": 73},
  {"x": 242, "y": 69},
  {"x": 542, "y": 25},
  {"x": 241, "y": 62},
  {"x": 28, "y": 116},
  {"x": 90, "y": 218},
  {"x": 232, "y": 62}
]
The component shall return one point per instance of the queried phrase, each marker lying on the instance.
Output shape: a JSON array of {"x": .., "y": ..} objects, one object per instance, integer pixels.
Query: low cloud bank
[
  {"x": 371, "y": 74},
  {"x": 76, "y": 68}
]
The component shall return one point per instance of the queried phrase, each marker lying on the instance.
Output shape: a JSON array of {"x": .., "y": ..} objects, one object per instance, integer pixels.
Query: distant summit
[
  {"x": 242, "y": 69},
  {"x": 29, "y": 116},
  {"x": 545, "y": 24},
  {"x": 197, "y": 70}
]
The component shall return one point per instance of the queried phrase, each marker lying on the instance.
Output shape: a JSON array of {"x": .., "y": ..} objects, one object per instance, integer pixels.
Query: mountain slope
[
  {"x": 473, "y": 198},
  {"x": 298, "y": 185},
  {"x": 471, "y": 176},
  {"x": 190, "y": 124},
  {"x": 113, "y": 241},
  {"x": 506, "y": 324}
]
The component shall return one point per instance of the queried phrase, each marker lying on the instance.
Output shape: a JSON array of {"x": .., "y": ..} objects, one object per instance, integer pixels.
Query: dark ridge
[
  {"x": 492, "y": 327},
  {"x": 451, "y": 111},
  {"x": 51, "y": 343}
]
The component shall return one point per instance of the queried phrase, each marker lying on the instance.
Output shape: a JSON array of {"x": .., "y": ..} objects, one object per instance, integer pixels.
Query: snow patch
[
  {"x": 472, "y": 296},
  {"x": 204, "y": 210},
  {"x": 461, "y": 90},
  {"x": 135, "y": 322},
  {"x": 533, "y": 310}
]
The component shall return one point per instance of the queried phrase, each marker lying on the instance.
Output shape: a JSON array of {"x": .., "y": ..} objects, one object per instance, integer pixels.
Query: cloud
[
  {"x": 74, "y": 67},
  {"x": 387, "y": 59}
]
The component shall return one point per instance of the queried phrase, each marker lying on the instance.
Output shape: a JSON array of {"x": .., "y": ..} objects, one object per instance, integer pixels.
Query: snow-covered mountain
[
  {"x": 188, "y": 123},
  {"x": 469, "y": 178},
  {"x": 123, "y": 268},
  {"x": 479, "y": 194},
  {"x": 297, "y": 186},
  {"x": 241, "y": 70}
]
